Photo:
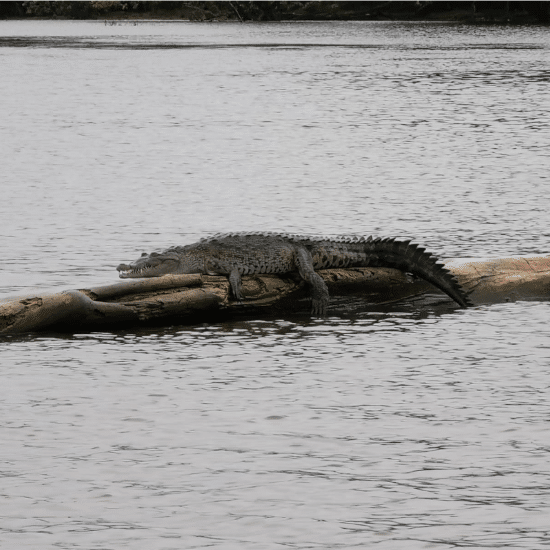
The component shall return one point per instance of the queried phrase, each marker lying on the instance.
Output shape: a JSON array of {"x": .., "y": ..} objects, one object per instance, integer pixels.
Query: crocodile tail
[{"x": 412, "y": 258}]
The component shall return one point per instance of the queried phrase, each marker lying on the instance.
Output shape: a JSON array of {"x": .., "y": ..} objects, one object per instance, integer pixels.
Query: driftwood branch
[{"x": 189, "y": 298}]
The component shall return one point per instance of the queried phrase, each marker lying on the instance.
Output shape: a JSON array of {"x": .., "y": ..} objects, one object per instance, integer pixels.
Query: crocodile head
[{"x": 154, "y": 264}]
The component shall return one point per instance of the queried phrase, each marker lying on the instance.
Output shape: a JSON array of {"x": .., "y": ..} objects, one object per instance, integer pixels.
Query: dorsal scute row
[
  {"x": 291, "y": 237},
  {"x": 240, "y": 234}
]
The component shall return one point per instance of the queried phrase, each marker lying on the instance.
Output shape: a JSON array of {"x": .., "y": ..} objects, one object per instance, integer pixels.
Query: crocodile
[{"x": 237, "y": 254}]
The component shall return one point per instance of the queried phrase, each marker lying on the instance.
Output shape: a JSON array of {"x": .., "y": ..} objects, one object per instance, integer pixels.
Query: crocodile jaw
[{"x": 145, "y": 268}]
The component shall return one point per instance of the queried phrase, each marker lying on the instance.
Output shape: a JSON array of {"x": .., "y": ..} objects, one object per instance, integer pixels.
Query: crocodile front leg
[
  {"x": 236, "y": 283},
  {"x": 319, "y": 290}
]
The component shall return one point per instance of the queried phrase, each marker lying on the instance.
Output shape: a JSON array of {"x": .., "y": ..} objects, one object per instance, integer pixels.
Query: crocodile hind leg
[{"x": 319, "y": 290}]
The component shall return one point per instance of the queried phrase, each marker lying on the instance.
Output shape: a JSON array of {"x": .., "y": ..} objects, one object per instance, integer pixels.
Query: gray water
[{"x": 399, "y": 429}]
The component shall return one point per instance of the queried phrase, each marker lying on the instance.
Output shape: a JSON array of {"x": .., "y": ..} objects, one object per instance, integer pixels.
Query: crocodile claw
[{"x": 319, "y": 307}]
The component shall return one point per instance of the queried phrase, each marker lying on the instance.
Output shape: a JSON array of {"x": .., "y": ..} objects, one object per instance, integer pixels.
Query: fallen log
[
  {"x": 497, "y": 280},
  {"x": 191, "y": 298}
]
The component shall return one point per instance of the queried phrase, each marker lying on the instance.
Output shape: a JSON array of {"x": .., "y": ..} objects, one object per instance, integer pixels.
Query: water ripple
[{"x": 411, "y": 427}]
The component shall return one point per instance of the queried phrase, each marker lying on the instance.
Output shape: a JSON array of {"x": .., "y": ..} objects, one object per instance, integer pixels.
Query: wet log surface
[{"x": 189, "y": 299}]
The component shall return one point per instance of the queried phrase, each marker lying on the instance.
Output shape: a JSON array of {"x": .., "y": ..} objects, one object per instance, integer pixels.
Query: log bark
[
  {"x": 191, "y": 298},
  {"x": 497, "y": 280}
]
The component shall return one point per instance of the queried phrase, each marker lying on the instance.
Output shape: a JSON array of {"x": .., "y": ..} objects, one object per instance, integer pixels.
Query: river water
[{"x": 408, "y": 428}]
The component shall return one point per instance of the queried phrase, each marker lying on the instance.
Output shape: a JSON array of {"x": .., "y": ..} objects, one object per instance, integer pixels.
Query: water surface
[{"x": 405, "y": 428}]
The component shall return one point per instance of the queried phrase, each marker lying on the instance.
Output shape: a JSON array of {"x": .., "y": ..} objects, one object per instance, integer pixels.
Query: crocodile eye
[{"x": 144, "y": 254}]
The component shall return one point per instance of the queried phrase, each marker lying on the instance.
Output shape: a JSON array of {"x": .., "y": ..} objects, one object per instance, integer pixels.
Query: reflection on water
[
  {"x": 328, "y": 434},
  {"x": 413, "y": 427}
]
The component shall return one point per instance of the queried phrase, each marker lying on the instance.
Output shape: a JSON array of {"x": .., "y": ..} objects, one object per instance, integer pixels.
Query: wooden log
[
  {"x": 494, "y": 280},
  {"x": 136, "y": 286},
  {"x": 185, "y": 298},
  {"x": 104, "y": 306}
]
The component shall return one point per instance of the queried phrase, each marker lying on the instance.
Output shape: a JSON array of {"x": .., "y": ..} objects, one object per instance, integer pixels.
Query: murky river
[{"x": 400, "y": 429}]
